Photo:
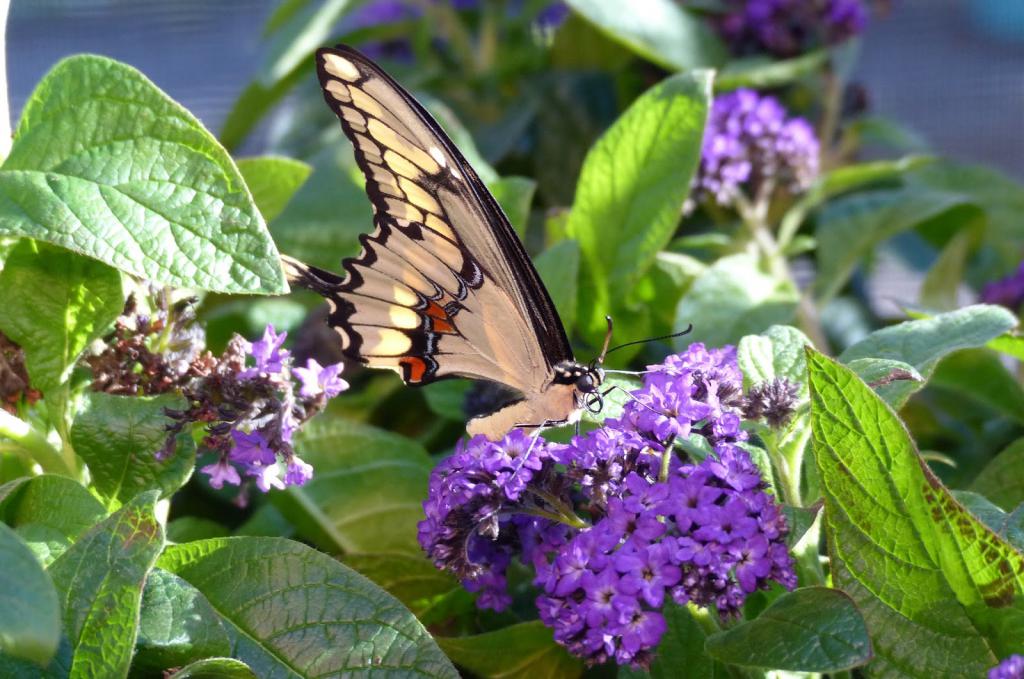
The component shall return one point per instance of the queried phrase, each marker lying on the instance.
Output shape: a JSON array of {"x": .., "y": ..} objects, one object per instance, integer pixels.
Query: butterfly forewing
[{"x": 443, "y": 285}]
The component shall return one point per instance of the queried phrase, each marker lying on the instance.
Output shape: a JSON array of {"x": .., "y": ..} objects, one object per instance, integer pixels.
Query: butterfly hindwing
[{"x": 443, "y": 286}]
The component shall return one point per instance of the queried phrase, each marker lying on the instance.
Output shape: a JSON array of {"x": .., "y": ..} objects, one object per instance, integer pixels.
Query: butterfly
[{"x": 443, "y": 286}]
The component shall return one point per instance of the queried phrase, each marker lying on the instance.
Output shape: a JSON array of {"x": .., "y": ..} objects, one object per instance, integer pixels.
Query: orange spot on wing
[
  {"x": 442, "y": 326},
  {"x": 415, "y": 367},
  {"x": 435, "y": 310}
]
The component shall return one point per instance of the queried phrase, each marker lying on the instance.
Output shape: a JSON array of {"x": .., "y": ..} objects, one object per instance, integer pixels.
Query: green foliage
[
  {"x": 30, "y": 626},
  {"x": 658, "y": 30},
  {"x": 365, "y": 497},
  {"x": 120, "y": 438},
  {"x": 923, "y": 343},
  {"x": 106, "y": 165},
  {"x": 177, "y": 626},
  {"x": 731, "y": 299},
  {"x": 55, "y": 303},
  {"x": 631, "y": 187},
  {"x": 49, "y": 512},
  {"x": 291, "y": 592},
  {"x": 99, "y": 580},
  {"x": 809, "y": 630},
  {"x": 273, "y": 181},
  {"x": 526, "y": 649},
  {"x": 911, "y": 557}
]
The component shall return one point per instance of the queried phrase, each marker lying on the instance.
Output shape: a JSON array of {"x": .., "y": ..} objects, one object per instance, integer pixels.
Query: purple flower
[
  {"x": 251, "y": 449},
  {"x": 221, "y": 471},
  {"x": 787, "y": 28},
  {"x": 267, "y": 476},
  {"x": 1008, "y": 292},
  {"x": 298, "y": 472},
  {"x": 464, "y": 530},
  {"x": 751, "y": 147},
  {"x": 269, "y": 356},
  {"x": 251, "y": 414},
  {"x": 1010, "y": 668},
  {"x": 317, "y": 379}
]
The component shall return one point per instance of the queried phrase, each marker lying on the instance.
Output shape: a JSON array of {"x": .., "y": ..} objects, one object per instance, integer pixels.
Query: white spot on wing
[
  {"x": 437, "y": 155},
  {"x": 340, "y": 67}
]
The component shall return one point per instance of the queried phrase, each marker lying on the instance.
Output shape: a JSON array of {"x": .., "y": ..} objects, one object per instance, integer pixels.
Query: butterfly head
[{"x": 586, "y": 378}]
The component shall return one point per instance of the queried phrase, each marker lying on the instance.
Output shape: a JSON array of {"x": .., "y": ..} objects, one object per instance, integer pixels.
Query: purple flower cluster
[
  {"x": 467, "y": 529},
  {"x": 787, "y": 28},
  {"x": 751, "y": 147},
  {"x": 1010, "y": 668},
  {"x": 251, "y": 412},
  {"x": 615, "y": 523},
  {"x": 709, "y": 535},
  {"x": 1009, "y": 291}
]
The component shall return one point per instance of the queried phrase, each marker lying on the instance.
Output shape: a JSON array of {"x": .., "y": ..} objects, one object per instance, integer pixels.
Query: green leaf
[
  {"x": 814, "y": 629},
  {"x": 979, "y": 374},
  {"x": 842, "y": 180},
  {"x": 892, "y": 380},
  {"x": 909, "y": 555},
  {"x": 515, "y": 195},
  {"x": 1010, "y": 527},
  {"x": 658, "y": 30},
  {"x": 322, "y": 223},
  {"x": 30, "y": 624},
  {"x": 681, "y": 649},
  {"x": 941, "y": 286},
  {"x": 298, "y": 612},
  {"x": 366, "y": 493},
  {"x": 632, "y": 184},
  {"x": 411, "y": 578},
  {"x": 215, "y": 668},
  {"x": 923, "y": 343},
  {"x": 559, "y": 267},
  {"x": 189, "y": 528},
  {"x": 765, "y": 73},
  {"x": 49, "y": 512},
  {"x": 55, "y": 303},
  {"x": 731, "y": 299},
  {"x": 1002, "y": 479},
  {"x": 851, "y": 227},
  {"x": 273, "y": 181},
  {"x": 100, "y": 581},
  {"x": 777, "y": 352},
  {"x": 304, "y": 30},
  {"x": 177, "y": 626},
  {"x": 1011, "y": 344},
  {"x": 525, "y": 649},
  {"x": 446, "y": 397},
  {"x": 121, "y": 439},
  {"x": 107, "y": 165}
]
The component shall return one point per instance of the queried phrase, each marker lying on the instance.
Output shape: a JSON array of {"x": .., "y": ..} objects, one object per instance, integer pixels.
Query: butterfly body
[{"x": 443, "y": 287}]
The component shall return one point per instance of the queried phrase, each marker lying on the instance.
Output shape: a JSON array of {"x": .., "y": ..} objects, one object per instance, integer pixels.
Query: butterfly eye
[{"x": 585, "y": 383}]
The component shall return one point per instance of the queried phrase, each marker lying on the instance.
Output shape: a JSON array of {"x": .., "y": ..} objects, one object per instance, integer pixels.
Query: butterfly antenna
[
  {"x": 689, "y": 329},
  {"x": 607, "y": 341}
]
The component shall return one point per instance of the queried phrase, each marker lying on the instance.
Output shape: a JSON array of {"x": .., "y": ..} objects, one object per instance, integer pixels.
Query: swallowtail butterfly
[{"x": 443, "y": 286}]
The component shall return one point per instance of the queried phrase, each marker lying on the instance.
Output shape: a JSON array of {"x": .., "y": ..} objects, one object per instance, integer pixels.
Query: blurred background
[{"x": 950, "y": 70}]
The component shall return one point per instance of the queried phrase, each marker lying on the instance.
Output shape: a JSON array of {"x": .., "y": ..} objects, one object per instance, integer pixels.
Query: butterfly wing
[{"x": 443, "y": 286}]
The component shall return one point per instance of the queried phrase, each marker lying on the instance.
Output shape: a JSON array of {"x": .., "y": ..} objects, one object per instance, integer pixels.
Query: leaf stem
[{"x": 34, "y": 442}]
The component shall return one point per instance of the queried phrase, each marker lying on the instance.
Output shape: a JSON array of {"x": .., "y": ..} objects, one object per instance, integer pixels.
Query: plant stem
[{"x": 34, "y": 443}]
